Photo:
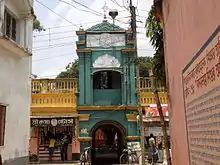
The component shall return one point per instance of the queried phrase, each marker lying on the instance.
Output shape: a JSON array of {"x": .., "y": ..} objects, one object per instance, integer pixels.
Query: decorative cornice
[
  {"x": 85, "y": 139},
  {"x": 83, "y": 42},
  {"x": 12, "y": 46},
  {"x": 130, "y": 42},
  {"x": 84, "y": 117},
  {"x": 131, "y": 117},
  {"x": 80, "y": 33},
  {"x": 99, "y": 32},
  {"x": 129, "y": 31},
  {"x": 133, "y": 137},
  {"x": 128, "y": 50},
  {"x": 87, "y": 108},
  {"x": 83, "y": 50}
]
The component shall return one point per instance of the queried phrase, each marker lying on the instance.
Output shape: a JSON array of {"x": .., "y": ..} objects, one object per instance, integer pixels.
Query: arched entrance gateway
[{"x": 108, "y": 141}]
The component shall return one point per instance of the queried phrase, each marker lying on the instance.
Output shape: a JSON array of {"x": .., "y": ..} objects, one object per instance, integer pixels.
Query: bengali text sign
[{"x": 201, "y": 84}]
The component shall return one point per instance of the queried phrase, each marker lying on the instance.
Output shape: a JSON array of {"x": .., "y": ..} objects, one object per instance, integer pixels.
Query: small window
[
  {"x": 2, "y": 124},
  {"x": 10, "y": 26}
]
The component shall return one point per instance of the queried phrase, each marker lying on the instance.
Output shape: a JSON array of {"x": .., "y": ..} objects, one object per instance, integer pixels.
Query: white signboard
[
  {"x": 201, "y": 85},
  {"x": 105, "y": 40},
  {"x": 157, "y": 131}
]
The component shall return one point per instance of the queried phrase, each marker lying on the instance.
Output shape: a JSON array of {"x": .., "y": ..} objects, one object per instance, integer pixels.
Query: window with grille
[
  {"x": 10, "y": 26},
  {"x": 2, "y": 124}
]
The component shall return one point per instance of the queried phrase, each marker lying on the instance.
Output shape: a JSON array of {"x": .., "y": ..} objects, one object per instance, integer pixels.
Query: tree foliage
[
  {"x": 37, "y": 26},
  {"x": 155, "y": 33},
  {"x": 72, "y": 69},
  {"x": 145, "y": 65}
]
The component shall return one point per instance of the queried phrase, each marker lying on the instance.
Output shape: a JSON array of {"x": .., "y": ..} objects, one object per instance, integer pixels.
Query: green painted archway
[{"x": 121, "y": 138}]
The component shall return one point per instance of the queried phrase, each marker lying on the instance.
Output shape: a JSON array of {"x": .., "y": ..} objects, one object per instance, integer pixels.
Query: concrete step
[
  {"x": 47, "y": 158},
  {"x": 47, "y": 154}
]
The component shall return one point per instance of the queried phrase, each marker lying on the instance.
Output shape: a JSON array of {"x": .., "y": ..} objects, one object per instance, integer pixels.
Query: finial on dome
[
  {"x": 81, "y": 26},
  {"x": 105, "y": 8}
]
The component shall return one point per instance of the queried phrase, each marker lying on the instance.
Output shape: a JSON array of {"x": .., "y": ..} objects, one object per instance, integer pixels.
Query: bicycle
[
  {"x": 129, "y": 156},
  {"x": 85, "y": 156},
  {"x": 154, "y": 158}
]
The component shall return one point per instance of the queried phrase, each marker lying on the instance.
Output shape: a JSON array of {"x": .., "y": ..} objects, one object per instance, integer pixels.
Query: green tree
[
  {"x": 37, "y": 26},
  {"x": 72, "y": 70},
  {"x": 145, "y": 65},
  {"x": 155, "y": 33}
]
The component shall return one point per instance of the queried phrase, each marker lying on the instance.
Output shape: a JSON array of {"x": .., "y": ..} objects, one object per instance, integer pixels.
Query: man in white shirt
[{"x": 152, "y": 140}]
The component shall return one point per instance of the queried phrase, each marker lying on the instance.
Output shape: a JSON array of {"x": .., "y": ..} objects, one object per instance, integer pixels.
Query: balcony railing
[
  {"x": 147, "y": 86},
  {"x": 148, "y": 98},
  {"x": 54, "y": 86}
]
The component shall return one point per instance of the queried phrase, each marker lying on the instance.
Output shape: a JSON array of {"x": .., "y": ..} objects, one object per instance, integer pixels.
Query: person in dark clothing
[{"x": 64, "y": 147}]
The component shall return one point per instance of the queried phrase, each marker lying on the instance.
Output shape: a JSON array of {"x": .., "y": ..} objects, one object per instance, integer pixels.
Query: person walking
[
  {"x": 152, "y": 151},
  {"x": 52, "y": 142},
  {"x": 151, "y": 140},
  {"x": 154, "y": 154},
  {"x": 64, "y": 147}
]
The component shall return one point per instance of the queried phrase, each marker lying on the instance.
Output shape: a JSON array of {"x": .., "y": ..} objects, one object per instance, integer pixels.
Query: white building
[{"x": 16, "y": 26}]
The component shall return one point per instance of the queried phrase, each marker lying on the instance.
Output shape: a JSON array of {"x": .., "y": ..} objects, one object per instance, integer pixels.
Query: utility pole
[{"x": 134, "y": 33}]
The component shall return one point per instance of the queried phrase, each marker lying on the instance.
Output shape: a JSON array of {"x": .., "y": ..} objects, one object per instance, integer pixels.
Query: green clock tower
[{"x": 107, "y": 103}]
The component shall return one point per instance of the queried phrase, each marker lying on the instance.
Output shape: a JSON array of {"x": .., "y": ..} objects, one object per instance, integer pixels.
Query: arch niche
[{"x": 108, "y": 141}]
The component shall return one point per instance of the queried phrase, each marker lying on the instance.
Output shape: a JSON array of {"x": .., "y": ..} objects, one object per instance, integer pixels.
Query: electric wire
[
  {"x": 53, "y": 39},
  {"x": 56, "y": 56},
  {"x": 78, "y": 8},
  {"x": 56, "y": 13},
  {"x": 54, "y": 33},
  {"x": 98, "y": 13},
  {"x": 54, "y": 46},
  {"x": 56, "y": 27},
  {"x": 81, "y": 4},
  {"x": 116, "y": 2}
]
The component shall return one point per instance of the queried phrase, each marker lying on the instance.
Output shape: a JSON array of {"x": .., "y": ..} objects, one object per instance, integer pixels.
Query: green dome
[{"x": 105, "y": 26}]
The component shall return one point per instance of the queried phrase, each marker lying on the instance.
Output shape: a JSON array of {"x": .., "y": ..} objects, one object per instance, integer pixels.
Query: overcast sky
[{"x": 55, "y": 48}]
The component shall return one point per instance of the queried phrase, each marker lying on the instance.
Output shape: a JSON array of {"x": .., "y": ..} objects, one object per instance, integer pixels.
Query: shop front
[
  {"x": 152, "y": 124},
  {"x": 42, "y": 129}
]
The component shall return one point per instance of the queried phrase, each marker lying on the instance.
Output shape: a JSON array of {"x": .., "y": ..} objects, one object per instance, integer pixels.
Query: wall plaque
[
  {"x": 201, "y": 84},
  {"x": 105, "y": 40},
  {"x": 106, "y": 61},
  {"x": 40, "y": 122}
]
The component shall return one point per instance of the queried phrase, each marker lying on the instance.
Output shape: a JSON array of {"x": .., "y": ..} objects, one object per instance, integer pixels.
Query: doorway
[
  {"x": 57, "y": 132},
  {"x": 108, "y": 142}
]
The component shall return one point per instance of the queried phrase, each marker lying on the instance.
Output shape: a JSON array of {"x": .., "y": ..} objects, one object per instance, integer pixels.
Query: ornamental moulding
[{"x": 106, "y": 61}]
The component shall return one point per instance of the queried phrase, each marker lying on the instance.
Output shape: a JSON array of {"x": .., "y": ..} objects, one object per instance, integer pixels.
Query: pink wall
[
  {"x": 34, "y": 142},
  {"x": 75, "y": 145},
  {"x": 188, "y": 25}
]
